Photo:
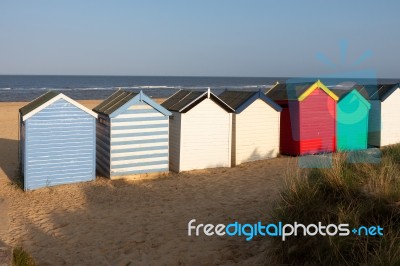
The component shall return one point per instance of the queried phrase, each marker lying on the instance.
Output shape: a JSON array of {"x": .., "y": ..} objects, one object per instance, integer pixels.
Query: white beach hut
[
  {"x": 255, "y": 125},
  {"x": 384, "y": 119},
  {"x": 200, "y": 131}
]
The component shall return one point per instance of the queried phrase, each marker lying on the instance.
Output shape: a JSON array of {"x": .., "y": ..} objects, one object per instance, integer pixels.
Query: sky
[{"x": 200, "y": 38}]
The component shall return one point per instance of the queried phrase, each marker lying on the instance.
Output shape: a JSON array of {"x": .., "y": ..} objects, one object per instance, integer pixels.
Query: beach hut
[
  {"x": 351, "y": 120},
  {"x": 384, "y": 119},
  {"x": 132, "y": 136},
  {"x": 255, "y": 125},
  {"x": 57, "y": 142},
  {"x": 200, "y": 130},
  {"x": 308, "y": 117}
]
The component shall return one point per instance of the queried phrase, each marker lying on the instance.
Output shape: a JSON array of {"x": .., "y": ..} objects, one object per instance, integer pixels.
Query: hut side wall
[
  {"x": 374, "y": 124},
  {"x": 174, "y": 141},
  {"x": 317, "y": 123},
  {"x": 205, "y": 137},
  {"x": 390, "y": 131},
  {"x": 21, "y": 147},
  {"x": 289, "y": 129},
  {"x": 139, "y": 141},
  {"x": 60, "y": 146},
  {"x": 257, "y": 133},
  {"x": 103, "y": 145}
]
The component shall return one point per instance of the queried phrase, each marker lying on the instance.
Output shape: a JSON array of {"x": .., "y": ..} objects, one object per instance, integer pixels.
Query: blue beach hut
[
  {"x": 57, "y": 141},
  {"x": 132, "y": 136}
]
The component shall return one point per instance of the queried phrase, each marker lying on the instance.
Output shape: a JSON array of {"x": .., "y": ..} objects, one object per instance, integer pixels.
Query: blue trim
[
  {"x": 133, "y": 157},
  {"x": 262, "y": 96},
  {"x": 140, "y": 119},
  {"x": 138, "y": 164},
  {"x": 162, "y": 147},
  {"x": 141, "y": 97},
  {"x": 139, "y": 111},
  {"x": 153, "y": 104},
  {"x": 140, "y": 172}
]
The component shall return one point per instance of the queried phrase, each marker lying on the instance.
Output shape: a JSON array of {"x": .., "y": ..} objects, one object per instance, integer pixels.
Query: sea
[{"x": 14, "y": 88}]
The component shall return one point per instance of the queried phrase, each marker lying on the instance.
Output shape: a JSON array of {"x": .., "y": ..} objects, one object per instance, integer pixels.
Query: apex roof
[{"x": 184, "y": 100}]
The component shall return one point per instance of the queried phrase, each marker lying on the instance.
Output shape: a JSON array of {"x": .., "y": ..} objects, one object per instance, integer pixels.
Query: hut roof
[
  {"x": 378, "y": 92},
  {"x": 45, "y": 100},
  {"x": 184, "y": 100},
  {"x": 111, "y": 105},
  {"x": 296, "y": 91},
  {"x": 239, "y": 100},
  {"x": 114, "y": 102},
  {"x": 38, "y": 102},
  {"x": 342, "y": 93}
]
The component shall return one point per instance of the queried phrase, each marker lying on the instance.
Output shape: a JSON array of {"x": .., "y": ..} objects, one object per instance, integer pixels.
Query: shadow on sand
[{"x": 9, "y": 158}]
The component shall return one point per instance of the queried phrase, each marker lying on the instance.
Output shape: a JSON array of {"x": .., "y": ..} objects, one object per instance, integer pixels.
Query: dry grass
[
  {"x": 21, "y": 258},
  {"x": 357, "y": 194}
]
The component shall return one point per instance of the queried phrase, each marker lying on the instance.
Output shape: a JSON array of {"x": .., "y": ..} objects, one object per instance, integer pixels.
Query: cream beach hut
[
  {"x": 255, "y": 125},
  {"x": 384, "y": 119},
  {"x": 200, "y": 130}
]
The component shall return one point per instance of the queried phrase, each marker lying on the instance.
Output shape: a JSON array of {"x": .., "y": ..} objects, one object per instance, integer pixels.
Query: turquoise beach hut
[
  {"x": 57, "y": 141},
  {"x": 351, "y": 120},
  {"x": 132, "y": 136}
]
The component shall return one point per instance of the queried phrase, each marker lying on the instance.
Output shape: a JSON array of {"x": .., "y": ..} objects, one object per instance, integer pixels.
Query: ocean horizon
[{"x": 16, "y": 88}]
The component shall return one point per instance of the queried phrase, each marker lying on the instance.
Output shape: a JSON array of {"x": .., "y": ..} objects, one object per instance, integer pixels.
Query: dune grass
[
  {"x": 355, "y": 194},
  {"x": 21, "y": 258}
]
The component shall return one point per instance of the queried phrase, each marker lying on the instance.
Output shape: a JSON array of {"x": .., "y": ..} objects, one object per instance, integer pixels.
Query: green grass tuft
[{"x": 21, "y": 258}]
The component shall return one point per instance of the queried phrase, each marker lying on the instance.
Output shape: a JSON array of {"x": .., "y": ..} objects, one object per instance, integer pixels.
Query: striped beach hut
[
  {"x": 384, "y": 119},
  {"x": 132, "y": 136},
  {"x": 308, "y": 117},
  {"x": 255, "y": 125},
  {"x": 200, "y": 130},
  {"x": 351, "y": 120},
  {"x": 57, "y": 142}
]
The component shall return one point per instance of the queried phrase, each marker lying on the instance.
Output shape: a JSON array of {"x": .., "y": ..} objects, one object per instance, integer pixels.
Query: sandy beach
[{"x": 142, "y": 222}]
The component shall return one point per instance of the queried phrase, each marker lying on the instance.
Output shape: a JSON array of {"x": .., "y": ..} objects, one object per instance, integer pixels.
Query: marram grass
[{"x": 357, "y": 194}]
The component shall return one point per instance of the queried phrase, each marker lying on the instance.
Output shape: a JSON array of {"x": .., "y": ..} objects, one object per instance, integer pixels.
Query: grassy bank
[{"x": 356, "y": 194}]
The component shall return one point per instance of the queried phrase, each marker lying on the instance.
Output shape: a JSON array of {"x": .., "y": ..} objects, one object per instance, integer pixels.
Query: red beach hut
[{"x": 308, "y": 117}]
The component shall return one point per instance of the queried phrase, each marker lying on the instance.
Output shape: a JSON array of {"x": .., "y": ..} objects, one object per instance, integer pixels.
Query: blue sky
[{"x": 199, "y": 38}]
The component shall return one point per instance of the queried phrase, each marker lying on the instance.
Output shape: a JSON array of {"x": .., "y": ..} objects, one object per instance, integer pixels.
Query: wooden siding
[
  {"x": 205, "y": 140},
  {"x": 317, "y": 123},
  {"x": 390, "y": 119},
  {"x": 139, "y": 141},
  {"x": 103, "y": 145},
  {"x": 60, "y": 146},
  {"x": 374, "y": 124},
  {"x": 256, "y": 132},
  {"x": 174, "y": 141},
  {"x": 290, "y": 129}
]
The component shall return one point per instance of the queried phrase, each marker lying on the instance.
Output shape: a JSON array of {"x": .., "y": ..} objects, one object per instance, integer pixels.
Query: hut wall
[{"x": 59, "y": 146}]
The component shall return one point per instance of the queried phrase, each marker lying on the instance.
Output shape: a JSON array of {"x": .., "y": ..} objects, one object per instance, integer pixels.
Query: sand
[{"x": 142, "y": 222}]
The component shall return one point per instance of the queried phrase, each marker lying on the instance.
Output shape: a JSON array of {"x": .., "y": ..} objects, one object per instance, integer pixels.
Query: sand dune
[{"x": 138, "y": 222}]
